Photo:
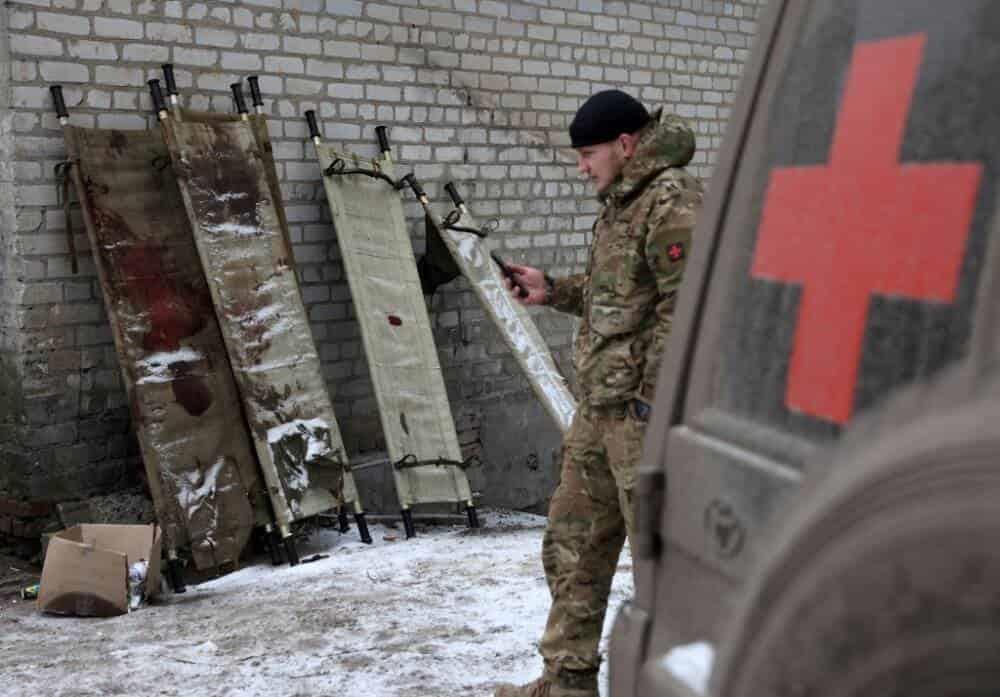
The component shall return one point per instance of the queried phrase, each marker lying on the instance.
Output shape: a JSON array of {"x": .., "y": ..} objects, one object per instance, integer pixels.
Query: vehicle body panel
[{"x": 862, "y": 157}]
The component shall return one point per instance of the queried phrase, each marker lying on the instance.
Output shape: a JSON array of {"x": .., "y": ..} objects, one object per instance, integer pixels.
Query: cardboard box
[{"x": 86, "y": 568}]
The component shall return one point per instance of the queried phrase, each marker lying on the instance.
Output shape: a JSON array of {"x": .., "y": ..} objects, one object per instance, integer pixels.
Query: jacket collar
[{"x": 666, "y": 141}]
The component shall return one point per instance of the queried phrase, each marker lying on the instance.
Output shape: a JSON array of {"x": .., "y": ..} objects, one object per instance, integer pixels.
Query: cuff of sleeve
[{"x": 558, "y": 291}]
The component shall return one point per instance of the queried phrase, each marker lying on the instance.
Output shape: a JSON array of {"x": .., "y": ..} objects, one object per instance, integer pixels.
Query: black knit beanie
[{"x": 605, "y": 116}]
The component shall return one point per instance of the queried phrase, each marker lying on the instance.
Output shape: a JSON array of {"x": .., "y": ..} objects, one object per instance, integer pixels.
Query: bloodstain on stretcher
[{"x": 175, "y": 311}]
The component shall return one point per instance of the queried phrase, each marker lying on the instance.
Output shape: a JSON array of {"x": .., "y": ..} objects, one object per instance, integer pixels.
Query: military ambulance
[{"x": 819, "y": 505}]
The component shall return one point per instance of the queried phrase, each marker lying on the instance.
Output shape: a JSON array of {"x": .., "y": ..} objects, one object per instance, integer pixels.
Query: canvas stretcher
[
  {"x": 349, "y": 495},
  {"x": 472, "y": 256},
  {"x": 201, "y": 471},
  {"x": 409, "y": 386},
  {"x": 243, "y": 247}
]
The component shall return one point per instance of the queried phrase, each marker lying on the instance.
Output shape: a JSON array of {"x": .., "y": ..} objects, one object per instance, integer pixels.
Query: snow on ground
[{"x": 451, "y": 612}]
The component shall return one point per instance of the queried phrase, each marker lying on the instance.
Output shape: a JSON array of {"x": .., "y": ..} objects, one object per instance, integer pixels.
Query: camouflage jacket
[{"x": 641, "y": 241}]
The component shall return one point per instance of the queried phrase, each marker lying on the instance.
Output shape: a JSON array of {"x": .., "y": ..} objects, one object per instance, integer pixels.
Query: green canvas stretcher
[
  {"x": 229, "y": 196},
  {"x": 472, "y": 256},
  {"x": 396, "y": 333},
  {"x": 201, "y": 470}
]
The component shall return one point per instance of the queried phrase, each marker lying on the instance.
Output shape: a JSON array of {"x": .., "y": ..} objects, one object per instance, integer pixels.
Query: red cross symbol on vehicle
[{"x": 863, "y": 223}]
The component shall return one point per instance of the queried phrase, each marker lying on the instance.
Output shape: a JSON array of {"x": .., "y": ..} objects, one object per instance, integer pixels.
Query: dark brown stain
[
  {"x": 269, "y": 399},
  {"x": 323, "y": 471},
  {"x": 223, "y": 184},
  {"x": 190, "y": 391},
  {"x": 118, "y": 143},
  {"x": 289, "y": 455},
  {"x": 395, "y": 321},
  {"x": 403, "y": 424}
]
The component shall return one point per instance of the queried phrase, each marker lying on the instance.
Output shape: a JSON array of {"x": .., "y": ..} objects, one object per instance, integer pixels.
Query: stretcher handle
[
  {"x": 241, "y": 102},
  {"x": 456, "y": 197},
  {"x": 382, "y": 133},
  {"x": 168, "y": 78},
  {"x": 411, "y": 180},
  {"x": 255, "y": 96},
  {"x": 313, "y": 126},
  {"x": 159, "y": 104},
  {"x": 57, "y": 97}
]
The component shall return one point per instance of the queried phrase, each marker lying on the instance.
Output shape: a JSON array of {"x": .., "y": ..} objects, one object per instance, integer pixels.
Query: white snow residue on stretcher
[
  {"x": 275, "y": 364},
  {"x": 548, "y": 379},
  {"x": 274, "y": 317},
  {"x": 197, "y": 489},
  {"x": 156, "y": 367},
  {"x": 234, "y": 229},
  {"x": 468, "y": 247},
  {"x": 307, "y": 427}
]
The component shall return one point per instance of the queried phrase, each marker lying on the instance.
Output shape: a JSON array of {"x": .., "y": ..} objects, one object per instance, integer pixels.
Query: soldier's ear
[{"x": 629, "y": 143}]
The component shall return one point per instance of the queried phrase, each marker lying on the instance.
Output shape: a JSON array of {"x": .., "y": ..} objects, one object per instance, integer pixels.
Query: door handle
[{"x": 650, "y": 490}]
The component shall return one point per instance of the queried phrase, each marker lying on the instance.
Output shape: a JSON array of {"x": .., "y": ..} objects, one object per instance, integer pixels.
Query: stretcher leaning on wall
[
  {"x": 457, "y": 245},
  {"x": 349, "y": 494},
  {"x": 364, "y": 199},
  {"x": 201, "y": 470},
  {"x": 224, "y": 170}
]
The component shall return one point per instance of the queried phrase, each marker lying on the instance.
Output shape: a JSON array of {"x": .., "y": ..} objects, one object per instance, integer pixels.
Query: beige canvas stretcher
[
  {"x": 229, "y": 196},
  {"x": 201, "y": 469},
  {"x": 396, "y": 333},
  {"x": 349, "y": 495},
  {"x": 472, "y": 255}
]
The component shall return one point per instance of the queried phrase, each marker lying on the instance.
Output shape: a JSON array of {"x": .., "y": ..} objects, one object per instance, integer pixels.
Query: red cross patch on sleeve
[{"x": 676, "y": 251}]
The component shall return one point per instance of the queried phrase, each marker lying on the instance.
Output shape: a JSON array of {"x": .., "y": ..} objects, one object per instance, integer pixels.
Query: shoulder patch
[{"x": 676, "y": 251}]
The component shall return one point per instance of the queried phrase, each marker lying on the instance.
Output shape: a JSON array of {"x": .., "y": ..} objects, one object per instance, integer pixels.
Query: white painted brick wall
[{"x": 476, "y": 91}]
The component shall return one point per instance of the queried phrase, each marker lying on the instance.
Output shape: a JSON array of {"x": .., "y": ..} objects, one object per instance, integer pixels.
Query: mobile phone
[{"x": 505, "y": 270}]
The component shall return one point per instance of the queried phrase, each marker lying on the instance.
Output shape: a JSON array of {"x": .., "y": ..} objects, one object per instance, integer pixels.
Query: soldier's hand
[{"x": 530, "y": 279}]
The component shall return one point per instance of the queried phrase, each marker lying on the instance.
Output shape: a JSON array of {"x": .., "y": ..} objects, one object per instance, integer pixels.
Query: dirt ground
[{"x": 451, "y": 612}]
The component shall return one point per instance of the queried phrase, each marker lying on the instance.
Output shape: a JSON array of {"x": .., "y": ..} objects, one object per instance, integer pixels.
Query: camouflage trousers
[{"x": 591, "y": 512}]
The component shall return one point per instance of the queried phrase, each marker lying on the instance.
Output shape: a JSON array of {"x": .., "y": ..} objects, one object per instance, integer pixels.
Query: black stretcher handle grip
[
  {"x": 313, "y": 126},
  {"x": 411, "y": 180},
  {"x": 159, "y": 104},
  {"x": 456, "y": 197},
  {"x": 241, "y": 102},
  {"x": 168, "y": 78},
  {"x": 57, "y": 97},
  {"x": 255, "y": 97},
  {"x": 382, "y": 133}
]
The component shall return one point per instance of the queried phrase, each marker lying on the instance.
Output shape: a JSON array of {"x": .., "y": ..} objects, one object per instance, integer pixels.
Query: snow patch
[
  {"x": 449, "y": 612},
  {"x": 193, "y": 496},
  {"x": 157, "y": 366},
  {"x": 691, "y": 664},
  {"x": 306, "y": 427}
]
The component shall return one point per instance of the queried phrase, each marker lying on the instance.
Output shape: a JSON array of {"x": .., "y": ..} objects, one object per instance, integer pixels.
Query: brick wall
[
  {"x": 476, "y": 91},
  {"x": 11, "y": 464}
]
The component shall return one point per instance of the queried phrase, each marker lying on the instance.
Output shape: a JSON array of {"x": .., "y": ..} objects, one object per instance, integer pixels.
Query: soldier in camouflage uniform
[{"x": 626, "y": 300}]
